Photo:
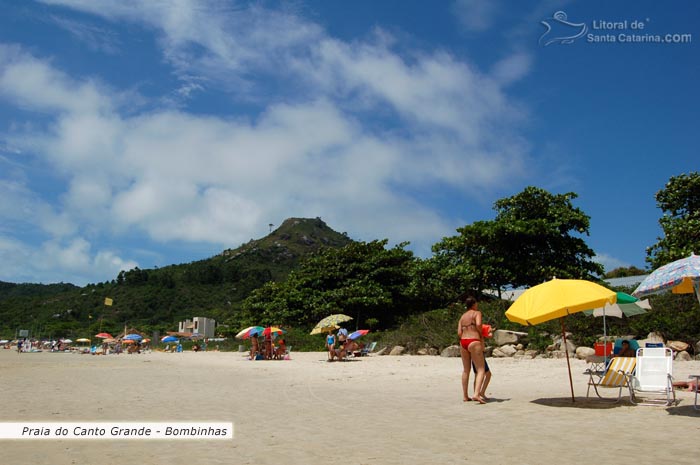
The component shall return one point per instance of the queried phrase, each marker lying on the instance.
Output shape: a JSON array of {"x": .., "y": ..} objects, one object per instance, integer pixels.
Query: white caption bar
[{"x": 117, "y": 430}]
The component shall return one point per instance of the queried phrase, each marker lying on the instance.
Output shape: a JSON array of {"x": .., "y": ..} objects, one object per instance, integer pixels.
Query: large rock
[
  {"x": 502, "y": 337},
  {"x": 397, "y": 350},
  {"x": 570, "y": 346},
  {"x": 683, "y": 356},
  {"x": 505, "y": 351},
  {"x": 583, "y": 352},
  {"x": 451, "y": 351},
  {"x": 678, "y": 346},
  {"x": 383, "y": 351}
]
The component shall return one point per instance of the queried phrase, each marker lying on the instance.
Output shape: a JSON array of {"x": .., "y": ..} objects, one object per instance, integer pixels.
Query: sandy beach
[{"x": 371, "y": 410}]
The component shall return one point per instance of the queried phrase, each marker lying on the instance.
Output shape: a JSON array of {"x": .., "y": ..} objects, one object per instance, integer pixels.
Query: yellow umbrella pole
[{"x": 568, "y": 364}]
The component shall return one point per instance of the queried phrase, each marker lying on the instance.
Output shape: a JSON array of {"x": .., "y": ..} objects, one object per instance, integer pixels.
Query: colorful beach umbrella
[
  {"x": 357, "y": 334},
  {"x": 250, "y": 331},
  {"x": 168, "y": 339},
  {"x": 680, "y": 277},
  {"x": 556, "y": 299},
  {"x": 132, "y": 337},
  {"x": 273, "y": 331},
  {"x": 103, "y": 336},
  {"x": 330, "y": 323},
  {"x": 82, "y": 339}
]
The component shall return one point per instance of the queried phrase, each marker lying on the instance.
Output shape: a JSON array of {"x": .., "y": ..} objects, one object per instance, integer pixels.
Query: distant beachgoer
[
  {"x": 472, "y": 348},
  {"x": 330, "y": 346},
  {"x": 254, "y": 348},
  {"x": 267, "y": 346},
  {"x": 19, "y": 346},
  {"x": 281, "y": 350}
]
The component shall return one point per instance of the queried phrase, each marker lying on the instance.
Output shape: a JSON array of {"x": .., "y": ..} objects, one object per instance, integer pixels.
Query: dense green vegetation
[{"x": 304, "y": 271}]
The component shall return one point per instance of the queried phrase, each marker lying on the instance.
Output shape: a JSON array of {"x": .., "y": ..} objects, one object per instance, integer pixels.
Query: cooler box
[{"x": 603, "y": 349}]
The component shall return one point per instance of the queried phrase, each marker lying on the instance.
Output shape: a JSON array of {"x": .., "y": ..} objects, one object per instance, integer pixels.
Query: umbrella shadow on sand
[
  {"x": 581, "y": 403},
  {"x": 683, "y": 410}
]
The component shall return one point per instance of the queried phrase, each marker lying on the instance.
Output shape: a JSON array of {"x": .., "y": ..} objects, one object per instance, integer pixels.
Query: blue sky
[{"x": 139, "y": 133}]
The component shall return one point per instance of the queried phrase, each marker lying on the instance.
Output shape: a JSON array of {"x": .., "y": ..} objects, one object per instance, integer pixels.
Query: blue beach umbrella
[
  {"x": 132, "y": 337},
  {"x": 169, "y": 339}
]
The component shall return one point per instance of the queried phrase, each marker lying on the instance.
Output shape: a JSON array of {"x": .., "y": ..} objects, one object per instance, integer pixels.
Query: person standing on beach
[{"x": 472, "y": 348}]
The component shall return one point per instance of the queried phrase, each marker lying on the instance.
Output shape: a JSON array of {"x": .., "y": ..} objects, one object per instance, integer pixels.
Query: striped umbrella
[{"x": 250, "y": 331}]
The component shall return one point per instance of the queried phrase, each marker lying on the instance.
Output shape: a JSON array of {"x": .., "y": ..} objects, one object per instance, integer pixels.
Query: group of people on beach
[
  {"x": 345, "y": 345},
  {"x": 269, "y": 350}
]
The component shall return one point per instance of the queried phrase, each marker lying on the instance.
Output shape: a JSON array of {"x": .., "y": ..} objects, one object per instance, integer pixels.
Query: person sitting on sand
[
  {"x": 349, "y": 348},
  {"x": 691, "y": 384},
  {"x": 281, "y": 350}
]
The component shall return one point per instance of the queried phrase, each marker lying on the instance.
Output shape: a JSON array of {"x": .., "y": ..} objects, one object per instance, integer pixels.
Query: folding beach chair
[
  {"x": 654, "y": 375},
  {"x": 615, "y": 377},
  {"x": 368, "y": 348}
]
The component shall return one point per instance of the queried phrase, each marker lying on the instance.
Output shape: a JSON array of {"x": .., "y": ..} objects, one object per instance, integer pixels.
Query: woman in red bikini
[{"x": 471, "y": 340}]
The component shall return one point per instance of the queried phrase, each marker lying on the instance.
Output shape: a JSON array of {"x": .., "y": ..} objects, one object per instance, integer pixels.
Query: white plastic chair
[{"x": 653, "y": 375}]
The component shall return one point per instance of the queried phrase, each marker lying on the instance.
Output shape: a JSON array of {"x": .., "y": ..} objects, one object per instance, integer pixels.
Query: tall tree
[
  {"x": 363, "y": 280},
  {"x": 543, "y": 237},
  {"x": 534, "y": 237},
  {"x": 680, "y": 203}
]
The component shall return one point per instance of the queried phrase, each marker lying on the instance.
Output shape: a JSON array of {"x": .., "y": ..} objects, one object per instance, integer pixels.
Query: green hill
[{"x": 156, "y": 299}]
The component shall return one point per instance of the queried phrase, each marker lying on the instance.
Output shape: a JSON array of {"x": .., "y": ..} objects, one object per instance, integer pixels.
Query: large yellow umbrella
[{"x": 556, "y": 299}]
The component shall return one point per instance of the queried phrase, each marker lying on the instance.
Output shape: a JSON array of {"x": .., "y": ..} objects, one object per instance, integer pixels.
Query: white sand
[{"x": 373, "y": 410}]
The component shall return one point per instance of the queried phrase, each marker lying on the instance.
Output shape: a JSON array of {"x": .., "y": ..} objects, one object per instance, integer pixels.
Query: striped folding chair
[{"x": 615, "y": 377}]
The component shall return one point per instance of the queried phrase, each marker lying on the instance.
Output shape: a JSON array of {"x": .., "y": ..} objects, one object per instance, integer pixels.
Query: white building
[{"x": 198, "y": 325}]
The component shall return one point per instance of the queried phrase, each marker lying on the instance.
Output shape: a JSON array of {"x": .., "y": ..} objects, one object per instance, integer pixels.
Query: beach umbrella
[
  {"x": 626, "y": 305},
  {"x": 132, "y": 337},
  {"x": 357, "y": 334},
  {"x": 681, "y": 277},
  {"x": 330, "y": 323},
  {"x": 67, "y": 341},
  {"x": 168, "y": 339},
  {"x": 273, "y": 331},
  {"x": 103, "y": 336},
  {"x": 556, "y": 299},
  {"x": 82, "y": 339},
  {"x": 250, "y": 331}
]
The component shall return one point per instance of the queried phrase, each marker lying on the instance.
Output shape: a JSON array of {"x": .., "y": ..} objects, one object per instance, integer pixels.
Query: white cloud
[
  {"x": 178, "y": 176},
  {"x": 609, "y": 262}
]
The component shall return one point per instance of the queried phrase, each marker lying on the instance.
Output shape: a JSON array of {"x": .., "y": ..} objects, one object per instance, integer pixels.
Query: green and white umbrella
[{"x": 626, "y": 305}]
